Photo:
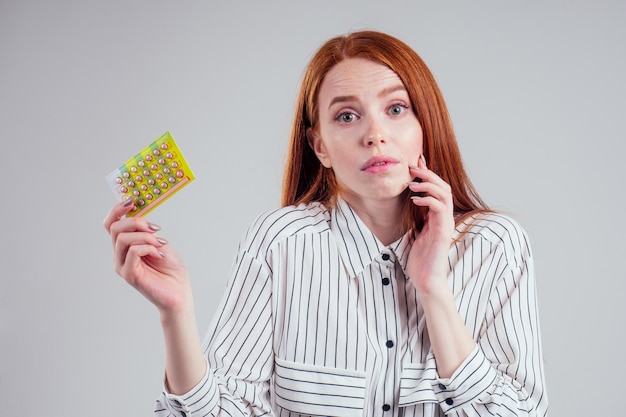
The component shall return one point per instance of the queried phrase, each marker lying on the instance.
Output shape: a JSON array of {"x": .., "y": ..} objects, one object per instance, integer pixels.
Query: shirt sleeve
[
  {"x": 504, "y": 374},
  {"x": 238, "y": 349}
]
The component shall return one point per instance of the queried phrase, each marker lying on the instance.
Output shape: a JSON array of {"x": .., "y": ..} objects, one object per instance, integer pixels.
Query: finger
[
  {"x": 131, "y": 225},
  {"x": 131, "y": 270},
  {"x": 426, "y": 175},
  {"x": 433, "y": 204},
  {"x": 439, "y": 190},
  {"x": 117, "y": 212},
  {"x": 125, "y": 242}
]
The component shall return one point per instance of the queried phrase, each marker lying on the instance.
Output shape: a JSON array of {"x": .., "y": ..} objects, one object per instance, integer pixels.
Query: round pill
[
  {"x": 167, "y": 170},
  {"x": 172, "y": 180},
  {"x": 144, "y": 187},
  {"x": 180, "y": 173},
  {"x": 154, "y": 167},
  {"x": 175, "y": 164},
  {"x": 123, "y": 189},
  {"x": 141, "y": 202},
  {"x": 126, "y": 175},
  {"x": 141, "y": 163},
  {"x": 164, "y": 185},
  {"x": 157, "y": 191},
  {"x": 148, "y": 157},
  {"x": 131, "y": 184},
  {"x": 161, "y": 161},
  {"x": 156, "y": 152},
  {"x": 118, "y": 180},
  {"x": 164, "y": 146},
  {"x": 136, "y": 193},
  {"x": 159, "y": 176},
  {"x": 146, "y": 172},
  {"x": 139, "y": 178},
  {"x": 151, "y": 181},
  {"x": 169, "y": 155},
  {"x": 133, "y": 169},
  {"x": 148, "y": 196}
]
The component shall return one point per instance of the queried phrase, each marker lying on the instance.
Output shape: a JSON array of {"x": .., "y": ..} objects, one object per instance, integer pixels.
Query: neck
[{"x": 382, "y": 217}]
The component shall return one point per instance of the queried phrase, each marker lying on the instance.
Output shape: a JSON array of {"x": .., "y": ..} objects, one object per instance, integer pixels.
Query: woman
[{"x": 383, "y": 286}]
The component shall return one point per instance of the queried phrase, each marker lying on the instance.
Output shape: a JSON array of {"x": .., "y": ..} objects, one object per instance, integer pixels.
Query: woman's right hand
[{"x": 147, "y": 262}]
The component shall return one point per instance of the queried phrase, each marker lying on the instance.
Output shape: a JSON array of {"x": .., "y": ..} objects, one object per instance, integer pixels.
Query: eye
[
  {"x": 397, "y": 109},
  {"x": 346, "y": 117}
]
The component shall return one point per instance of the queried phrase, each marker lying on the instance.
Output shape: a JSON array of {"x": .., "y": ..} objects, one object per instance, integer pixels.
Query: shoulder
[
  {"x": 273, "y": 226},
  {"x": 499, "y": 231}
]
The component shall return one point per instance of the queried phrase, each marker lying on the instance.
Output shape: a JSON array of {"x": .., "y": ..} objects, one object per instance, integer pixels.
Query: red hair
[{"x": 307, "y": 180}]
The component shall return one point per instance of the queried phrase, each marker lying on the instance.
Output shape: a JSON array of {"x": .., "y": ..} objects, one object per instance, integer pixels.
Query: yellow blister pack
[{"x": 152, "y": 176}]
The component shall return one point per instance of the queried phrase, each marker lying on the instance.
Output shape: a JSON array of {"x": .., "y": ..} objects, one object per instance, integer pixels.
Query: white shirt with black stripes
[{"x": 320, "y": 319}]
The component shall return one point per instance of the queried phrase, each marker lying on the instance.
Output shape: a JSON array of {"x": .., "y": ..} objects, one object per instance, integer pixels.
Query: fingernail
[
  {"x": 162, "y": 241},
  {"x": 127, "y": 202},
  {"x": 161, "y": 254},
  {"x": 423, "y": 158},
  {"x": 414, "y": 167},
  {"x": 154, "y": 227}
]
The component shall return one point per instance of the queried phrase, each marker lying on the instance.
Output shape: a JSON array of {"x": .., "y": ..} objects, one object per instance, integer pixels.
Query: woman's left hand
[{"x": 428, "y": 258}]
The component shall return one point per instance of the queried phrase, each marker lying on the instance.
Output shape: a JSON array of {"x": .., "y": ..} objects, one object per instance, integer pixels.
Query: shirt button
[
  {"x": 386, "y": 407},
  {"x": 389, "y": 344},
  {"x": 385, "y": 256},
  {"x": 449, "y": 401},
  {"x": 441, "y": 386},
  {"x": 386, "y": 281}
]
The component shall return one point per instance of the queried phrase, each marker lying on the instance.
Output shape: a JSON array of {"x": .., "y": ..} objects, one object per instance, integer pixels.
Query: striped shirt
[{"x": 320, "y": 319}]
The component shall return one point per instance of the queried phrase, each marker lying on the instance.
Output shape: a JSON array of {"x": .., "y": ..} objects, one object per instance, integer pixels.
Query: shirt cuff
[
  {"x": 469, "y": 383},
  {"x": 199, "y": 399}
]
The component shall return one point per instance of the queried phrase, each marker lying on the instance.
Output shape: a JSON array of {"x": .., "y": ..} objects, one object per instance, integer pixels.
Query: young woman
[{"x": 384, "y": 286}]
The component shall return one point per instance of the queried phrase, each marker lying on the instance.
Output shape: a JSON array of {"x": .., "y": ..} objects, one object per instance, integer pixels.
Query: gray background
[{"x": 536, "y": 91}]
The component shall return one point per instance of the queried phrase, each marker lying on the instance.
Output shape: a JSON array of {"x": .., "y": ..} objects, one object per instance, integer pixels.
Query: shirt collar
[{"x": 357, "y": 245}]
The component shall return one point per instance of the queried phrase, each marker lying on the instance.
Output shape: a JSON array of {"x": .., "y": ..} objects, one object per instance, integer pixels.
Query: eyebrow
[{"x": 382, "y": 93}]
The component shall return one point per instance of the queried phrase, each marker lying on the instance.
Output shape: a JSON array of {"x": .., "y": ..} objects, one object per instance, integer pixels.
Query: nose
[{"x": 375, "y": 134}]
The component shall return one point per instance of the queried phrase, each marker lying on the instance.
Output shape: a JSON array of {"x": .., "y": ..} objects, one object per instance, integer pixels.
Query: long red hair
[{"x": 307, "y": 180}]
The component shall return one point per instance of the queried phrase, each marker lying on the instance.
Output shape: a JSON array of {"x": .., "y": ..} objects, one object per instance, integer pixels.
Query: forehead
[{"x": 355, "y": 76}]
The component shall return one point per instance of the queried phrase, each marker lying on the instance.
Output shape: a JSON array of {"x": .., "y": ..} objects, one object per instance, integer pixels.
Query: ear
[{"x": 316, "y": 143}]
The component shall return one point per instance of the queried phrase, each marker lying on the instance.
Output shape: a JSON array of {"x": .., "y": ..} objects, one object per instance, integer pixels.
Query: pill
[
  {"x": 180, "y": 173},
  {"x": 148, "y": 196}
]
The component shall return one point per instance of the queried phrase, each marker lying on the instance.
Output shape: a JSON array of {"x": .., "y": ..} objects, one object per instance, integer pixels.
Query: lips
[{"x": 379, "y": 163}]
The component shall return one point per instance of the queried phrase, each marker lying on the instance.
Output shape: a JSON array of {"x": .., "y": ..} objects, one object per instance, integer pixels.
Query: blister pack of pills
[{"x": 152, "y": 176}]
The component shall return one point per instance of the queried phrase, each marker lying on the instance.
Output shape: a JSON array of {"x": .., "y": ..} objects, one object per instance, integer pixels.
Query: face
[{"x": 367, "y": 131}]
